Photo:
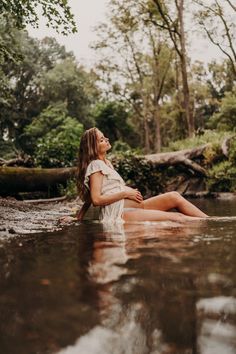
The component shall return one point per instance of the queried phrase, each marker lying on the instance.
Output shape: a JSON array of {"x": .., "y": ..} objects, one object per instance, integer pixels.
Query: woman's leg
[
  {"x": 172, "y": 200},
  {"x": 165, "y": 202},
  {"x": 155, "y": 215}
]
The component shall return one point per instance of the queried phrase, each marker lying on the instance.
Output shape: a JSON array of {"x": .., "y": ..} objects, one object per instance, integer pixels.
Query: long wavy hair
[{"x": 87, "y": 152}]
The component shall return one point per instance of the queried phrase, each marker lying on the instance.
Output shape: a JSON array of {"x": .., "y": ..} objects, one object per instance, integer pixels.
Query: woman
[{"x": 100, "y": 184}]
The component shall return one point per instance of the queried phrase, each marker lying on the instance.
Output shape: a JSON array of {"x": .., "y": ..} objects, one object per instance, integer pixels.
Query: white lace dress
[{"x": 112, "y": 183}]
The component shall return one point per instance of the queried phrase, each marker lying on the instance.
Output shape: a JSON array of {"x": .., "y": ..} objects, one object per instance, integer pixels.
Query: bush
[
  {"x": 222, "y": 177},
  {"x": 120, "y": 146},
  {"x": 59, "y": 147},
  {"x": 232, "y": 150},
  {"x": 225, "y": 119},
  {"x": 53, "y": 137},
  {"x": 209, "y": 136},
  {"x": 7, "y": 150},
  {"x": 138, "y": 173},
  {"x": 70, "y": 190}
]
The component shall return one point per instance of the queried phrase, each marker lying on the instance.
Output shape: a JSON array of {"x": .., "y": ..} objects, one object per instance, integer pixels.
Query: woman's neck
[{"x": 102, "y": 157}]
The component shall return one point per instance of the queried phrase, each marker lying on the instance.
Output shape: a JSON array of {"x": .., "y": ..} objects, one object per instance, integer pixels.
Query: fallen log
[
  {"x": 181, "y": 157},
  {"x": 15, "y": 180},
  {"x": 19, "y": 179}
]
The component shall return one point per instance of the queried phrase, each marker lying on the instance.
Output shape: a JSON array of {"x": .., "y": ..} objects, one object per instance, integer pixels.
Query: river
[{"x": 153, "y": 288}]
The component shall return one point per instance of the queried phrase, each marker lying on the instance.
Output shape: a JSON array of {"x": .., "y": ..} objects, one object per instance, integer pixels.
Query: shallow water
[{"x": 142, "y": 288}]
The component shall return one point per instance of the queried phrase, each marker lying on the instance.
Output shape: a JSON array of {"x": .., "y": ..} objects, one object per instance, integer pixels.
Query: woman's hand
[
  {"x": 133, "y": 194},
  {"x": 67, "y": 219}
]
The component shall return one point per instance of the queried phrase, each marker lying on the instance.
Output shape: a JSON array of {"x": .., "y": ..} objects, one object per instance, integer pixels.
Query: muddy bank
[{"x": 20, "y": 217}]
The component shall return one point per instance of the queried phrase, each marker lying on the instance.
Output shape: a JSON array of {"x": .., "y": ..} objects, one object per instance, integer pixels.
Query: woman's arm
[{"x": 99, "y": 200}]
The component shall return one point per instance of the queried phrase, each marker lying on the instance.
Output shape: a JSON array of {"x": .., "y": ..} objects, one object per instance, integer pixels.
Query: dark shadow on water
[{"x": 136, "y": 288}]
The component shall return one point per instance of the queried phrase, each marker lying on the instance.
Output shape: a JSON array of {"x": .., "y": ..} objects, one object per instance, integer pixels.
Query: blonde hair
[{"x": 87, "y": 152}]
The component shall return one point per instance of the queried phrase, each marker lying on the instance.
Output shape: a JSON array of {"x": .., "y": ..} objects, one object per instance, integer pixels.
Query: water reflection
[
  {"x": 145, "y": 305},
  {"x": 136, "y": 288}
]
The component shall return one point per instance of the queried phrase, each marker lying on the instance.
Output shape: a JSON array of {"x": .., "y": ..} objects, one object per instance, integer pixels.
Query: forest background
[{"x": 144, "y": 91}]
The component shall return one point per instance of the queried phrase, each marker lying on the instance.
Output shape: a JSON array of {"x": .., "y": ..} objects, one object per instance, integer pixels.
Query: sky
[{"x": 88, "y": 14}]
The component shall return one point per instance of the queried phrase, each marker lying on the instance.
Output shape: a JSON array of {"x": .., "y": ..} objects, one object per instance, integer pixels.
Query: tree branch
[{"x": 230, "y": 3}]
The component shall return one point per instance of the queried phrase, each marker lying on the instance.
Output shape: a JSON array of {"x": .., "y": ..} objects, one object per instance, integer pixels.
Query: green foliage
[
  {"x": 70, "y": 191},
  {"x": 50, "y": 118},
  {"x": 138, "y": 173},
  {"x": 44, "y": 74},
  {"x": 6, "y": 149},
  {"x": 226, "y": 118},
  {"x": 72, "y": 84},
  {"x": 23, "y": 12},
  {"x": 112, "y": 119},
  {"x": 232, "y": 150},
  {"x": 222, "y": 177},
  {"x": 220, "y": 80},
  {"x": 173, "y": 125},
  {"x": 120, "y": 146},
  {"x": 19, "y": 13},
  {"x": 207, "y": 136},
  {"x": 54, "y": 137}
]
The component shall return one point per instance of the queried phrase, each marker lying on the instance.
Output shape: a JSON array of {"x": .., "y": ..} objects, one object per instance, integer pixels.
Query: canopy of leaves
[
  {"x": 44, "y": 74},
  {"x": 57, "y": 13}
]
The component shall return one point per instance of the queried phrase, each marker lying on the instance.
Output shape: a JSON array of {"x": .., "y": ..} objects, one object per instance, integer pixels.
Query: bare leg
[
  {"x": 155, "y": 215},
  {"x": 173, "y": 200},
  {"x": 165, "y": 202}
]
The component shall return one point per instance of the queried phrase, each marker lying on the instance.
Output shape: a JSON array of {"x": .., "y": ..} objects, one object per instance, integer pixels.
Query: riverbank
[{"x": 22, "y": 217}]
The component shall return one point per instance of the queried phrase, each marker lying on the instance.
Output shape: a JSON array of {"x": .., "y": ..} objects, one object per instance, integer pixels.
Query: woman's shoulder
[{"x": 97, "y": 165}]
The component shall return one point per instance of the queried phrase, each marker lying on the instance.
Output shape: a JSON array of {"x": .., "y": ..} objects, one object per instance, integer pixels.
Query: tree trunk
[
  {"x": 177, "y": 36},
  {"x": 145, "y": 124},
  {"x": 158, "y": 129},
  {"x": 18, "y": 179},
  {"x": 146, "y": 136},
  {"x": 186, "y": 94}
]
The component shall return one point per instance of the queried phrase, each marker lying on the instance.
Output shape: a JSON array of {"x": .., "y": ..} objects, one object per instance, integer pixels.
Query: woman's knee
[{"x": 175, "y": 196}]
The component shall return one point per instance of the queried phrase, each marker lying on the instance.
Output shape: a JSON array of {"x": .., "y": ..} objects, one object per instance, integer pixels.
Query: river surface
[{"x": 158, "y": 288}]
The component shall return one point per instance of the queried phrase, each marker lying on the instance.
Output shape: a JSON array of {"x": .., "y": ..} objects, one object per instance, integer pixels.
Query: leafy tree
[
  {"x": 69, "y": 83},
  {"x": 46, "y": 74},
  {"x": 225, "y": 119},
  {"x": 22, "y": 12},
  {"x": 142, "y": 60},
  {"x": 218, "y": 22},
  {"x": 22, "y": 82},
  {"x": 113, "y": 120},
  {"x": 171, "y": 21},
  {"x": 54, "y": 137},
  {"x": 220, "y": 78},
  {"x": 57, "y": 13}
]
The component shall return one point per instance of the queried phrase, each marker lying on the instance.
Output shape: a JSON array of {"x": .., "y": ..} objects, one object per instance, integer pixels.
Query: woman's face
[{"x": 103, "y": 143}]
